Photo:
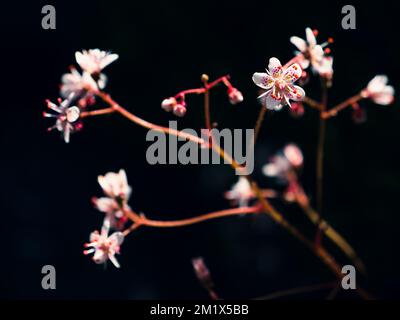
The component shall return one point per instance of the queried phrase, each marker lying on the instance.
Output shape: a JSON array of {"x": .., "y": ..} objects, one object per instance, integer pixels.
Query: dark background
[{"x": 164, "y": 47}]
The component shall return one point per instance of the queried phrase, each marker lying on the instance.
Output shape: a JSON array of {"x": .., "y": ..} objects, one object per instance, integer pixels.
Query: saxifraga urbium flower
[{"x": 81, "y": 91}]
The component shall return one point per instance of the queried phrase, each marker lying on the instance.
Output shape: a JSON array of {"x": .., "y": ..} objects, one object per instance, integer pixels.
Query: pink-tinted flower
[
  {"x": 113, "y": 209},
  {"x": 278, "y": 82},
  {"x": 312, "y": 53},
  {"x": 103, "y": 246},
  {"x": 94, "y": 60},
  {"x": 293, "y": 154},
  {"x": 115, "y": 185},
  {"x": 240, "y": 193},
  {"x": 325, "y": 68},
  {"x": 77, "y": 84},
  {"x": 297, "y": 109},
  {"x": 379, "y": 91},
  {"x": 280, "y": 165},
  {"x": 66, "y": 117},
  {"x": 235, "y": 96}
]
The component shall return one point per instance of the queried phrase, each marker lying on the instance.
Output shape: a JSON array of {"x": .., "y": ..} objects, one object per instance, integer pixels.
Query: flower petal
[
  {"x": 292, "y": 73},
  {"x": 263, "y": 80},
  {"x": 312, "y": 41},
  {"x": 295, "y": 93},
  {"x": 275, "y": 67},
  {"x": 299, "y": 43}
]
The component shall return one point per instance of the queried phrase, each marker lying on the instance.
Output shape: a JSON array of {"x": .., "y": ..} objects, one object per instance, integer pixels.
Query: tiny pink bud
[
  {"x": 168, "y": 104},
  {"x": 179, "y": 110},
  {"x": 235, "y": 96},
  {"x": 202, "y": 272}
]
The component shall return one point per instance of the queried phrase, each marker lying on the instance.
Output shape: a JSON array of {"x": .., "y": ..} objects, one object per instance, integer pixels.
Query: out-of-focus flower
[
  {"x": 66, "y": 117},
  {"x": 114, "y": 211},
  {"x": 240, "y": 193},
  {"x": 94, "y": 60},
  {"x": 115, "y": 185},
  {"x": 77, "y": 84},
  {"x": 279, "y": 84},
  {"x": 312, "y": 53},
  {"x": 294, "y": 155},
  {"x": 379, "y": 91},
  {"x": 325, "y": 68},
  {"x": 281, "y": 164},
  {"x": 235, "y": 96},
  {"x": 103, "y": 246}
]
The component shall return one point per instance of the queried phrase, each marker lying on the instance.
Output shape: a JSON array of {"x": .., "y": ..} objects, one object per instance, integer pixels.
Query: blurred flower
[
  {"x": 103, "y": 246},
  {"x": 312, "y": 53},
  {"x": 325, "y": 68},
  {"x": 76, "y": 83},
  {"x": 94, "y": 60},
  {"x": 379, "y": 91},
  {"x": 115, "y": 185},
  {"x": 280, "y": 165},
  {"x": 235, "y": 96},
  {"x": 114, "y": 211},
  {"x": 66, "y": 119},
  {"x": 278, "y": 83},
  {"x": 240, "y": 193},
  {"x": 293, "y": 154}
]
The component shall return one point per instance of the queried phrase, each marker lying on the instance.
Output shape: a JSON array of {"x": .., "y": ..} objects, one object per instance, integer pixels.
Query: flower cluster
[
  {"x": 115, "y": 187},
  {"x": 79, "y": 89}
]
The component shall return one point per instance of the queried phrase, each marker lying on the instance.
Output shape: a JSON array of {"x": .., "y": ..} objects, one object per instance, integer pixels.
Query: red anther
[
  {"x": 315, "y": 31},
  {"x": 330, "y": 40},
  {"x": 327, "y": 50}
]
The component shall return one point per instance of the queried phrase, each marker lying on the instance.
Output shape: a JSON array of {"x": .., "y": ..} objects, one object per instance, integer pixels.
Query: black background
[{"x": 164, "y": 47}]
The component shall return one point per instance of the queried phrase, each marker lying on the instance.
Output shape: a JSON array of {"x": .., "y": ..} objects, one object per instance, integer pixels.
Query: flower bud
[
  {"x": 179, "y": 110},
  {"x": 168, "y": 104},
  {"x": 235, "y": 96}
]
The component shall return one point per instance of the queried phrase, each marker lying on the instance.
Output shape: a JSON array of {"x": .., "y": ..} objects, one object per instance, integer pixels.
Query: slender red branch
[{"x": 347, "y": 103}]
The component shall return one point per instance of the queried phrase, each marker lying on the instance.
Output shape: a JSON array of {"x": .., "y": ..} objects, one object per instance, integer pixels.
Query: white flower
[
  {"x": 309, "y": 51},
  {"x": 293, "y": 154},
  {"x": 103, "y": 246},
  {"x": 66, "y": 117},
  {"x": 113, "y": 209},
  {"x": 241, "y": 192},
  {"x": 235, "y": 96},
  {"x": 379, "y": 91},
  {"x": 115, "y": 185},
  {"x": 94, "y": 60},
  {"x": 78, "y": 84},
  {"x": 280, "y": 165},
  {"x": 279, "y": 84},
  {"x": 325, "y": 68}
]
